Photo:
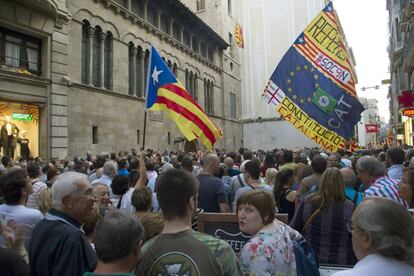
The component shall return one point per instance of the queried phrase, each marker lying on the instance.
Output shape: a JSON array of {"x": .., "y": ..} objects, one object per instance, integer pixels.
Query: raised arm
[{"x": 142, "y": 171}]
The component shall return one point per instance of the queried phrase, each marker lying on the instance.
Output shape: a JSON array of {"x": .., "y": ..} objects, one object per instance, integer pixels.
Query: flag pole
[{"x": 145, "y": 129}]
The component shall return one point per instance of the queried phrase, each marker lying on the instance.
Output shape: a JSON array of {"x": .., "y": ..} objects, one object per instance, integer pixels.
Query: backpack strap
[
  {"x": 240, "y": 180},
  {"x": 355, "y": 199},
  {"x": 309, "y": 220},
  {"x": 118, "y": 206}
]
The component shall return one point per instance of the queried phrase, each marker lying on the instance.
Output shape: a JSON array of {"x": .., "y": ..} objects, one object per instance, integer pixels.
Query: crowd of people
[{"x": 132, "y": 213}]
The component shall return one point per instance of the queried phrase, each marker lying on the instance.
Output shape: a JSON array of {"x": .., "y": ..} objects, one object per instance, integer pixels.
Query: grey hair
[
  {"x": 109, "y": 168},
  {"x": 65, "y": 185},
  {"x": 371, "y": 165},
  {"x": 116, "y": 235},
  {"x": 349, "y": 176},
  {"x": 390, "y": 226},
  {"x": 96, "y": 184}
]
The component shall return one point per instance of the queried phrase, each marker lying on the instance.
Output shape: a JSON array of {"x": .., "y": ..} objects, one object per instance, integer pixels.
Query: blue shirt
[
  {"x": 123, "y": 172},
  {"x": 350, "y": 194}
]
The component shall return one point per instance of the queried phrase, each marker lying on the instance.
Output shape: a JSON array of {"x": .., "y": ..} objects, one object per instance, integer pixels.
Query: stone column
[
  {"x": 91, "y": 32},
  {"x": 102, "y": 37},
  {"x": 143, "y": 78},
  {"x": 182, "y": 34},
  {"x": 158, "y": 19},
  {"x": 172, "y": 27},
  {"x": 145, "y": 4}
]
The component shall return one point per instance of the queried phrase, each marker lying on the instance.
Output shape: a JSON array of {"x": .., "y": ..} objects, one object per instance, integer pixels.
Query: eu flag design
[
  {"x": 166, "y": 93},
  {"x": 313, "y": 86}
]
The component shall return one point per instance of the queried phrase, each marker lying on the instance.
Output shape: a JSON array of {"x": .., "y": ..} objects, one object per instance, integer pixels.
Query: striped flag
[
  {"x": 238, "y": 33},
  {"x": 313, "y": 86},
  {"x": 166, "y": 93}
]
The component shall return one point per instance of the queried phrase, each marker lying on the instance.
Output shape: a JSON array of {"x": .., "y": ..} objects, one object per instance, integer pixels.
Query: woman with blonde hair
[
  {"x": 44, "y": 200},
  {"x": 270, "y": 176},
  {"x": 322, "y": 219}
]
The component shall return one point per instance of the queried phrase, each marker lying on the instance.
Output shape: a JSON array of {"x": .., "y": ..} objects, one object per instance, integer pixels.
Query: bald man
[
  {"x": 211, "y": 194},
  {"x": 350, "y": 182}
]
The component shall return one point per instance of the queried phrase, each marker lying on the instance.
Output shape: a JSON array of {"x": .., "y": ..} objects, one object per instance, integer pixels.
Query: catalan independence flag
[
  {"x": 166, "y": 93},
  {"x": 313, "y": 86}
]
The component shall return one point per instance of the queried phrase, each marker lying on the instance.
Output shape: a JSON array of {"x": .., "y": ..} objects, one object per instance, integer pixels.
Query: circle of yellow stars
[{"x": 293, "y": 73}]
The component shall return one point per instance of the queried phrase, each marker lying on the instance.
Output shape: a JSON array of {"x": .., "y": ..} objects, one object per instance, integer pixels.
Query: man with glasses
[{"x": 58, "y": 245}]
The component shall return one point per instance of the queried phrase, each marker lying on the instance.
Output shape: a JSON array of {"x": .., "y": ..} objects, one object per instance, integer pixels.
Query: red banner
[
  {"x": 406, "y": 99},
  {"x": 371, "y": 128}
]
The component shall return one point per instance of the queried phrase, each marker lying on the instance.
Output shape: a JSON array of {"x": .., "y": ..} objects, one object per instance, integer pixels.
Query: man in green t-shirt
[
  {"x": 118, "y": 239},
  {"x": 179, "y": 250}
]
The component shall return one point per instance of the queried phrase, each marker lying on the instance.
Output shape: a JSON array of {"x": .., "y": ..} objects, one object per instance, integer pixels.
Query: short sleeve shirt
[{"x": 211, "y": 192}]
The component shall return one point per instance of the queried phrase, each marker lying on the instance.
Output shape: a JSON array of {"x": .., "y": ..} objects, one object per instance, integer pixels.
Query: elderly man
[
  {"x": 109, "y": 172},
  {"x": 179, "y": 250},
  {"x": 101, "y": 192},
  {"x": 211, "y": 195},
  {"x": 118, "y": 238},
  {"x": 58, "y": 245},
  {"x": 382, "y": 239},
  {"x": 371, "y": 172},
  {"x": 350, "y": 181}
]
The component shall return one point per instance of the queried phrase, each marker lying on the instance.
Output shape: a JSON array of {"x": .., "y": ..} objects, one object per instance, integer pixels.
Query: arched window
[
  {"x": 146, "y": 61},
  {"x": 195, "y": 96},
  {"x": 208, "y": 95},
  {"x": 131, "y": 71},
  {"x": 85, "y": 57},
  {"x": 140, "y": 72},
  {"x": 175, "y": 69},
  {"x": 96, "y": 59},
  {"x": 108, "y": 61}
]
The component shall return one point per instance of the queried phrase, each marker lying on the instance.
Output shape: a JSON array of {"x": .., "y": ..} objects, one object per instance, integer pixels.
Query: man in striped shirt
[{"x": 372, "y": 173}]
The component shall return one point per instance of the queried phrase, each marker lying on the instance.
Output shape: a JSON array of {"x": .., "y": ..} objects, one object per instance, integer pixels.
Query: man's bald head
[
  {"x": 349, "y": 176},
  {"x": 229, "y": 162},
  {"x": 211, "y": 163}
]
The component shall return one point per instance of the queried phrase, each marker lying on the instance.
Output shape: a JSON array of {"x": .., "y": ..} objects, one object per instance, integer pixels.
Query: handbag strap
[{"x": 309, "y": 220}]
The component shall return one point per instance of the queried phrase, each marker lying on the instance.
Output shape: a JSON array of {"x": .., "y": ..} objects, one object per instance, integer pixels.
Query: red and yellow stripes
[
  {"x": 310, "y": 51},
  {"x": 187, "y": 114}
]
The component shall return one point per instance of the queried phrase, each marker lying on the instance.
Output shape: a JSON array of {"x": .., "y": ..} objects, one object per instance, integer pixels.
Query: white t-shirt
[
  {"x": 126, "y": 201},
  {"x": 23, "y": 216},
  {"x": 32, "y": 199}
]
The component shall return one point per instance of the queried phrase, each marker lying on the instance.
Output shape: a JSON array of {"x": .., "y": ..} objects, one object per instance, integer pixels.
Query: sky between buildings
[{"x": 365, "y": 23}]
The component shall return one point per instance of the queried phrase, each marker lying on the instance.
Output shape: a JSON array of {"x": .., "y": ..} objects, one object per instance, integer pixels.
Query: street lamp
[{"x": 364, "y": 88}]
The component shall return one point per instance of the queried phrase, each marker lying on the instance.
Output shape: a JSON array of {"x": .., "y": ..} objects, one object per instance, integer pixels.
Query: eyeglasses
[{"x": 87, "y": 193}]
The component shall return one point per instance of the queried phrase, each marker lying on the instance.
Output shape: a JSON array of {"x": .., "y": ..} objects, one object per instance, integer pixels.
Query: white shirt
[
  {"x": 32, "y": 199},
  {"x": 126, "y": 201},
  {"x": 23, "y": 216},
  {"x": 379, "y": 266}
]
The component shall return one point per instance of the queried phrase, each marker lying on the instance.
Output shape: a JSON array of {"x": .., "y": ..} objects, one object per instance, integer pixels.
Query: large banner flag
[
  {"x": 313, "y": 86},
  {"x": 166, "y": 93}
]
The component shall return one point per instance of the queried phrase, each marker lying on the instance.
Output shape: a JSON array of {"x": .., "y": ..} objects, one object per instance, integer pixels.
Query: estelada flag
[
  {"x": 166, "y": 93},
  {"x": 313, "y": 86},
  {"x": 238, "y": 33}
]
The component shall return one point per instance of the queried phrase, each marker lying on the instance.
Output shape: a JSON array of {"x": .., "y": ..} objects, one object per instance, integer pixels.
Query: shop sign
[
  {"x": 22, "y": 117},
  {"x": 408, "y": 112}
]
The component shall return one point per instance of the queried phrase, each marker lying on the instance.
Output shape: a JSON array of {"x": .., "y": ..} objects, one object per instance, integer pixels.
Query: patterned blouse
[{"x": 270, "y": 252}]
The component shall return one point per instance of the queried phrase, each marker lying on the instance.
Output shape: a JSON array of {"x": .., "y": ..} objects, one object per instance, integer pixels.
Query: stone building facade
[
  {"x": 81, "y": 68},
  {"x": 401, "y": 54}
]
